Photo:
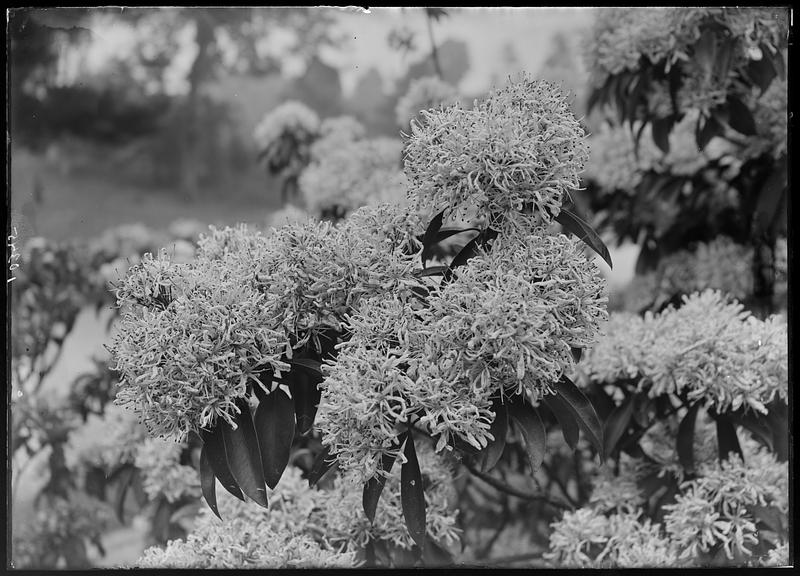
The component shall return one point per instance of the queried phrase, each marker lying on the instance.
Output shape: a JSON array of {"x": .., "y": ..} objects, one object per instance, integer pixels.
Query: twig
[{"x": 503, "y": 487}]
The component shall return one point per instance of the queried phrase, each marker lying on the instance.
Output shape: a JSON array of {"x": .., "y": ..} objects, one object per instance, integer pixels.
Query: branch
[{"x": 503, "y": 487}]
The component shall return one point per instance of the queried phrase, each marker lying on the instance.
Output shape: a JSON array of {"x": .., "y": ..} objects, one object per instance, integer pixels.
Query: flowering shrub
[{"x": 424, "y": 94}]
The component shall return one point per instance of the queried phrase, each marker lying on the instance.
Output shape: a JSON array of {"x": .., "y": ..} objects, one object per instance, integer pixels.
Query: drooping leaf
[
  {"x": 661, "y": 130},
  {"x": 374, "y": 487},
  {"x": 445, "y": 233},
  {"x": 726, "y": 438},
  {"x": 214, "y": 447},
  {"x": 583, "y": 412},
  {"x": 761, "y": 72},
  {"x": 756, "y": 425},
  {"x": 429, "y": 238},
  {"x": 315, "y": 366},
  {"x": 274, "y": 425},
  {"x": 707, "y": 130},
  {"x": 160, "y": 523},
  {"x": 527, "y": 420},
  {"x": 244, "y": 456},
  {"x": 123, "y": 483},
  {"x": 469, "y": 250},
  {"x": 565, "y": 417},
  {"x": 305, "y": 393},
  {"x": 434, "y": 555},
  {"x": 322, "y": 464},
  {"x": 617, "y": 423},
  {"x": 412, "y": 495},
  {"x": 208, "y": 483},
  {"x": 432, "y": 271},
  {"x": 741, "y": 119},
  {"x": 575, "y": 225},
  {"x": 770, "y": 196},
  {"x": 685, "y": 440},
  {"x": 494, "y": 449}
]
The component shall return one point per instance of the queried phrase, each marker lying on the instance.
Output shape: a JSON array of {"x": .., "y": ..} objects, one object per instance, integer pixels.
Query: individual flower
[
  {"x": 353, "y": 174},
  {"x": 424, "y": 94},
  {"x": 519, "y": 149}
]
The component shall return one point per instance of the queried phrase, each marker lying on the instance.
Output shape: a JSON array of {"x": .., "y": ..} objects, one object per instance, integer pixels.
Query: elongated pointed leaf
[
  {"x": 429, "y": 238},
  {"x": 741, "y": 119},
  {"x": 412, "y": 495},
  {"x": 244, "y": 457},
  {"x": 491, "y": 454},
  {"x": 770, "y": 516},
  {"x": 569, "y": 427},
  {"x": 707, "y": 131},
  {"x": 274, "y": 425},
  {"x": 756, "y": 425},
  {"x": 374, "y": 487},
  {"x": 574, "y": 224},
  {"x": 315, "y": 366},
  {"x": 208, "y": 483},
  {"x": 617, "y": 423},
  {"x": 214, "y": 447},
  {"x": 469, "y": 250},
  {"x": 761, "y": 72},
  {"x": 305, "y": 393},
  {"x": 529, "y": 424},
  {"x": 583, "y": 412},
  {"x": 685, "y": 440},
  {"x": 435, "y": 555},
  {"x": 661, "y": 130},
  {"x": 445, "y": 233},
  {"x": 123, "y": 483},
  {"x": 432, "y": 271},
  {"x": 322, "y": 463},
  {"x": 727, "y": 440}
]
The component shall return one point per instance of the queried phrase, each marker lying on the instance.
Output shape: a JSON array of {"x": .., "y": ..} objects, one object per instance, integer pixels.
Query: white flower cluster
[
  {"x": 711, "y": 349},
  {"x": 353, "y": 174},
  {"x": 519, "y": 149},
  {"x": 162, "y": 472},
  {"x": 424, "y": 94},
  {"x": 105, "y": 441},
  {"x": 335, "y": 132},
  {"x": 291, "y": 119},
  {"x": 304, "y": 527}
]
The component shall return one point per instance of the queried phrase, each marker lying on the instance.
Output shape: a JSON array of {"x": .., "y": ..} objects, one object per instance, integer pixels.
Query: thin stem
[{"x": 503, "y": 487}]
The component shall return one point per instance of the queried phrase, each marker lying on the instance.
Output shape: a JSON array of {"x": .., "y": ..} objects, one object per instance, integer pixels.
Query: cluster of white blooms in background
[
  {"x": 106, "y": 441},
  {"x": 335, "y": 132},
  {"x": 709, "y": 348},
  {"x": 291, "y": 120},
  {"x": 288, "y": 214},
  {"x": 354, "y": 173},
  {"x": 162, "y": 472},
  {"x": 307, "y": 527},
  {"x": 713, "y": 509},
  {"x": 518, "y": 151},
  {"x": 424, "y": 94},
  {"x": 621, "y": 37}
]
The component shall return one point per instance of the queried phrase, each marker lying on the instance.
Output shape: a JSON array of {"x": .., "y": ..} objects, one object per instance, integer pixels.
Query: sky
[{"x": 486, "y": 32}]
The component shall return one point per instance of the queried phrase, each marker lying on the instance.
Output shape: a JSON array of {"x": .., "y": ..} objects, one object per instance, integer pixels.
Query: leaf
[
  {"x": 741, "y": 119},
  {"x": 572, "y": 223},
  {"x": 306, "y": 394},
  {"x": 374, "y": 487},
  {"x": 661, "y": 130},
  {"x": 434, "y": 555},
  {"x": 274, "y": 426},
  {"x": 685, "y": 440},
  {"x": 705, "y": 51},
  {"x": 709, "y": 130},
  {"x": 315, "y": 366},
  {"x": 761, "y": 72},
  {"x": 756, "y": 425},
  {"x": 244, "y": 457},
  {"x": 432, "y": 271},
  {"x": 582, "y": 411},
  {"x": 770, "y": 516},
  {"x": 726, "y": 438},
  {"x": 125, "y": 478},
  {"x": 445, "y": 233},
  {"x": 217, "y": 457},
  {"x": 469, "y": 250},
  {"x": 569, "y": 427},
  {"x": 617, "y": 423},
  {"x": 576, "y": 353},
  {"x": 322, "y": 464},
  {"x": 491, "y": 454},
  {"x": 412, "y": 495},
  {"x": 770, "y": 196},
  {"x": 527, "y": 420},
  {"x": 429, "y": 238},
  {"x": 208, "y": 483},
  {"x": 722, "y": 63}
]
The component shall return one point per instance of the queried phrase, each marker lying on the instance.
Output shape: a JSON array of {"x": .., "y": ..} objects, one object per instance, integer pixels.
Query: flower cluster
[
  {"x": 520, "y": 148},
  {"x": 162, "y": 472},
  {"x": 424, "y": 94},
  {"x": 353, "y": 174},
  {"x": 284, "y": 136},
  {"x": 304, "y": 527},
  {"x": 507, "y": 324},
  {"x": 709, "y": 348},
  {"x": 106, "y": 441},
  {"x": 335, "y": 132}
]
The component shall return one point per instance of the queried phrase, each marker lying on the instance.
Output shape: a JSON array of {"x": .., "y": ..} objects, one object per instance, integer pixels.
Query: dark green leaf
[
  {"x": 208, "y": 483},
  {"x": 469, "y": 250},
  {"x": 445, "y": 233},
  {"x": 305, "y": 393},
  {"x": 412, "y": 495},
  {"x": 315, "y": 366},
  {"x": 374, "y": 487},
  {"x": 244, "y": 457},
  {"x": 565, "y": 417},
  {"x": 685, "y": 440},
  {"x": 432, "y": 271},
  {"x": 710, "y": 128},
  {"x": 705, "y": 51},
  {"x": 274, "y": 425},
  {"x": 761, "y": 72},
  {"x": 429, "y": 238},
  {"x": 756, "y": 425},
  {"x": 215, "y": 452},
  {"x": 741, "y": 119},
  {"x": 661, "y": 130},
  {"x": 583, "y": 412},
  {"x": 572, "y": 223},
  {"x": 491, "y": 454},
  {"x": 576, "y": 353},
  {"x": 322, "y": 464},
  {"x": 434, "y": 555},
  {"x": 770, "y": 516},
  {"x": 778, "y": 63},
  {"x": 617, "y": 423},
  {"x": 770, "y": 196},
  {"x": 726, "y": 438},
  {"x": 527, "y": 420},
  {"x": 724, "y": 58},
  {"x": 123, "y": 482}
]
